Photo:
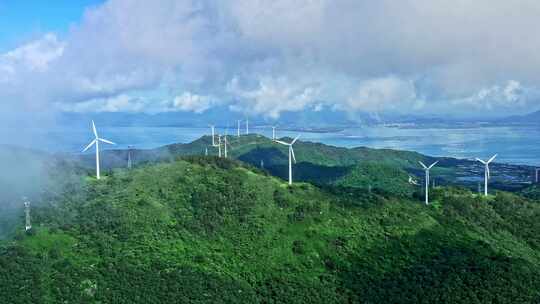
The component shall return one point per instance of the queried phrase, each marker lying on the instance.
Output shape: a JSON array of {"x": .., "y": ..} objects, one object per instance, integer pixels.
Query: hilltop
[
  {"x": 322, "y": 164},
  {"x": 207, "y": 230}
]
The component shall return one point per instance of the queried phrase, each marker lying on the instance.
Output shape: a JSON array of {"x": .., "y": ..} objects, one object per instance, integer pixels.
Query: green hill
[
  {"x": 333, "y": 162},
  {"x": 305, "y": 151},
  {"x": 208, "y": 230}
]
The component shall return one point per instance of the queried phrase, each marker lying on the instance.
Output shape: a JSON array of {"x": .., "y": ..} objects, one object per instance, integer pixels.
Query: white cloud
[
  {"x": 189, "y": 102},
  {"x": 34, "y": 56},
  {"x": 383, "y": 93},
  {"x": 270, "y": 56},
  {"x": 186, "y": 102},
  {"x": 512, "y": 96},
  {"x": 271, "y": 96},
  {"x": 19, "y": 65},
  {"x": 120, "y": 103}
]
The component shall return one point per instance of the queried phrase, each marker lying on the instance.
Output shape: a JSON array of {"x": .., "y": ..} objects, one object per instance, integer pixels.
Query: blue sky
[
  {"x": 357, "y": 56},
  {"x": 20, "y": 20}
]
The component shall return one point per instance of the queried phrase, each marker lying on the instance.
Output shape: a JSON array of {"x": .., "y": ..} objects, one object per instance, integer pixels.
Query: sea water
[{"x": 513, "y": 144}]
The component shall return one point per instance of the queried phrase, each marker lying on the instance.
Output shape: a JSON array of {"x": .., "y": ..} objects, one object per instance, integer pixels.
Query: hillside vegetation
[
  {"x": 325, "y": 164},
  {"x": 209, "y": 230},
  {"x": 271, "y": 153}
]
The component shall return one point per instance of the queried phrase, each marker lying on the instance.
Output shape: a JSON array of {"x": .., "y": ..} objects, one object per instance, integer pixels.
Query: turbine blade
[
  {"x": 106, "y": 141},
  {"x": 94, "y": 129},
  {"x": 294, "y": 140},
  {"x": 89, "y": 145},
  {"x": 282, "y": 142},
  {"x": 487, "y": 171},
  {"x": 292, "y": 153},
  {"x": 483, "y": 162},
  {"x": 492, "y": 158},
  {"x": 422, "y": 164},
  {"x": 432, "y": 165}
]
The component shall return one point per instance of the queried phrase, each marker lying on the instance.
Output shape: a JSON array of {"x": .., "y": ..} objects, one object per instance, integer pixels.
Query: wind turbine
[
  {"x": 28, "y": 225},
  {"x": 273, "y": 132},
  {"x": 213, "y": 135},
  {"x": 96, "y": 142},
  {"x": 426, "y": 169},
  {"x": 238, "y": 130},
  {"x": 291, "y": 155},
  {"x": 225, "y": 145},
  {"x": 247, "y": 126},
  {"x": 486, "y": 172},
  {"x": 130, "y": 161},
  {"x": 219, "y": 145}
]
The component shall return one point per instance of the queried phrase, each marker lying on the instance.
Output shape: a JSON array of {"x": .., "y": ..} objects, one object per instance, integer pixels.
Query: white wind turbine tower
[
  {"x": 291, "y": 155},
  {"x": 225, "y": 145},
  {"x": 130, "y": 160},
  {"x": 225, "y": 141},
  {"x": 273, "y": 132},
  {"x": 219, "y": 145},
  {"x": 213, "y": 135},
  {"x": 486, "y": 172},
  {"x": 28, "y": 225},
  {"x": 96, "y": 142},
  {"x": 247, "y": 126},
  {"x": 426, "y": 169},
  {"x": 238, "y": 130}
]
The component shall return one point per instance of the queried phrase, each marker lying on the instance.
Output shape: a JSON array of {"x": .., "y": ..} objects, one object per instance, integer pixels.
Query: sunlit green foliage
[{"x": 208, "y": 230}]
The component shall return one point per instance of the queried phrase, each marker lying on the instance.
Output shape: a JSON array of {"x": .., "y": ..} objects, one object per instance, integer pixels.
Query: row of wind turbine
[
  {"x": 95, "y": 142},
  {"x": 487, "y": 175},
  {"x": 292, "y": 157}
]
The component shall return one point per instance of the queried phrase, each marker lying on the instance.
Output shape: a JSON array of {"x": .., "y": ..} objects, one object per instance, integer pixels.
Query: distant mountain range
[
  {"x": 326, "y": 118},
  {"x": 531, "y": 118},
  {"x": 220, "y": 116}
]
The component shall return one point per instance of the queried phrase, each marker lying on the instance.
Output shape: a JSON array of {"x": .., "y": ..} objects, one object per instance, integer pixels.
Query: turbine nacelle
[
  {"x": 292, "y": 157},
  {"x": 486, "y": 164},
  {"x": 426, "y": 167},
  {"x": 290, "y": 145},
  {"x": 96, "y": 138}
]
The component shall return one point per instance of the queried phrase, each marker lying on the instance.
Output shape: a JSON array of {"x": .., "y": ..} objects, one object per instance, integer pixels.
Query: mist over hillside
[{"x": 30, "y": 175}]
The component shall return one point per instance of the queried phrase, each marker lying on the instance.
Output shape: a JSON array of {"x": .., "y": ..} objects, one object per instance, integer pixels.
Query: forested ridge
[{"x": 210, "y": 230}]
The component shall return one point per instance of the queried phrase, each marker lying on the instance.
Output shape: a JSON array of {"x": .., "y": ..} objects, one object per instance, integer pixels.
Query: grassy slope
[{"x": 211, "y": 230}]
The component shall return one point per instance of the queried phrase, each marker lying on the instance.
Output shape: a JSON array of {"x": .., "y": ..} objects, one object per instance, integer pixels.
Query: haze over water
[{"x": 517, "y": 145}]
